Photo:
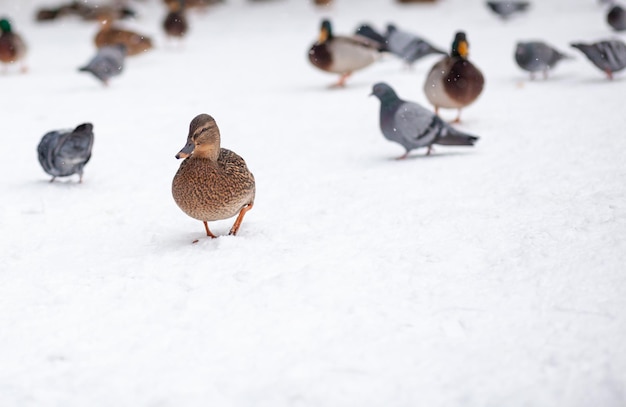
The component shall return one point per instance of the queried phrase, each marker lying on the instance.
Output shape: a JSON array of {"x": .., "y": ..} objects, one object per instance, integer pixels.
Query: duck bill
[
  {"x": 323, "y": 35},
  {"x": 186, "y": 151},
  {"x": 463, "y": 49}
]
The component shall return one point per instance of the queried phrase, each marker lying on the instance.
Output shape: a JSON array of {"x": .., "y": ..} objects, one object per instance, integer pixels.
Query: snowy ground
[{"x": 485, "y": 276}]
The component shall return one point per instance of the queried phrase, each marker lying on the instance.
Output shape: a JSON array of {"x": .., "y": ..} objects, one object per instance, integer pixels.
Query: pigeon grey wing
[
  {"x": 45, "y": 152},
  {"x": 107, "y": 65},
  {"x": 418, "y": 48},
  {"x": 398, "y": 41},
  {"x": 614, "y": 53},
  {"x": 416, "y": 126},
  {"x": 370, "y": 33},
  {"x": 74, "y": 151}
]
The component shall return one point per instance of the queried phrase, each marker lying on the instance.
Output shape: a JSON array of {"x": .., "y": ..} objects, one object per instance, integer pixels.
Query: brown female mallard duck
[
  {"x": 212, "y": 183},
  {"x": 12, "y": 47},
  {"x": 454, "y": 82},
  {"x": 110, "y": 35},
  {"x": 341, "y": 54}
]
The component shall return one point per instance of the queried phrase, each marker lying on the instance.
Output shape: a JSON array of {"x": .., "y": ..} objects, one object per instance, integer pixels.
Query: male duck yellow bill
[{"x": 454, "y": 82}]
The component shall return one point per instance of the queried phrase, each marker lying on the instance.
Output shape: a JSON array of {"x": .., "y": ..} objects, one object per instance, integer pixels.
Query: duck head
[
  {"x": 5, "y": 26},
  {"x": 203, "y": 140},
  {"x": 460, "y": 46},
  {"x": 326, "y": 31}
]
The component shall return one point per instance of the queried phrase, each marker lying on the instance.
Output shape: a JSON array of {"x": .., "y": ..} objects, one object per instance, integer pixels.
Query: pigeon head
[
  {"x": 203, "y": 139},
  {"x": 383, "y": 92},
  {"x": 460, "y": 46},
  {"x": 84, "y": 128},
  {"x": 5, "y": 25},
  {"x": 326, "y": 31},
  {"x": 391, "y": 28}
]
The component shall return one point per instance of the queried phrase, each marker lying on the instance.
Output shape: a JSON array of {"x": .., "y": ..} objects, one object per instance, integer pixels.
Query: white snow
[{"x": 484, "y": 276}]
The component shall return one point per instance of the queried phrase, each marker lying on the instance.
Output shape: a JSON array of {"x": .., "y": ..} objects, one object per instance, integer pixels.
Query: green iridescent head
[{"x": 5, "y": 26}]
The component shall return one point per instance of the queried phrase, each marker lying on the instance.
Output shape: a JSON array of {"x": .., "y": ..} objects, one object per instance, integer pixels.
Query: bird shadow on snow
[{"x": 420, "y": 156}]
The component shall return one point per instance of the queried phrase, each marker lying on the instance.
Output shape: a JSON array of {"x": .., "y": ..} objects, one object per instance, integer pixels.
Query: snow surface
[{"x": 485, "y": 276}]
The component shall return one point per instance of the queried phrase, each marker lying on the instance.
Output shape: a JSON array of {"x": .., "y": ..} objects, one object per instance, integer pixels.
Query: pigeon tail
[{"x": 457, "y": 138}]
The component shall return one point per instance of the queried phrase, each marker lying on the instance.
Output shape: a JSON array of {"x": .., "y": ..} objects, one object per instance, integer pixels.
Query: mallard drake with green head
[
  {"x": 212, "y": 183},
  {"x": 12, "y": 46},
  {"x": 454, "y": 82},
  {"x": 342, "y": 54}
]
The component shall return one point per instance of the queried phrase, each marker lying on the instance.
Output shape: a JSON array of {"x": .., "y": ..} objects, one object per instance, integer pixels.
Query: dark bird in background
[
  {"x": 609, "y": 55},
  {"x": 413, "y": 126},
  {"x": 108, "y": 62},
  {"x": 616, "y": 18},
  {"x": 506, "y": 9},
  {"x": 454, "y": 82},
  {"x": 12, "y": 46},
  {"x": 342, "y": 54},
  {"x": 175, "y": 23},
  {"x": 537, "y": 56},
  {"x": 63, "y": 153},
  {"x": 85, "y": 12}
]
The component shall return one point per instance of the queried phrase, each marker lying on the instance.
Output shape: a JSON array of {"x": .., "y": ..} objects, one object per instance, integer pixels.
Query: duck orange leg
[
  {"x": 235, "y": 228},
  {"x": 208, "y": 232}
]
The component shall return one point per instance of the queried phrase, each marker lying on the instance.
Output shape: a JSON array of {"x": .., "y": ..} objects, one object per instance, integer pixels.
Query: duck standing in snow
[
  {"x": 212, "y": 183},
  {"x": 108, "y": 62},
  {"x": 537, "y": 56},
  {"x": 12, "y": 46},
  {"x": 413, "y": 126},
  {"x": 342, "y": 54},
  {"x": 454, "y": 82},
  {"x": 609, "y": 55},
  {"x": 62, "y": 153},
  {"x": 175, "y": 23},
  {"x": 616, "y": 18},
  {"x": 109, "y": 34}
]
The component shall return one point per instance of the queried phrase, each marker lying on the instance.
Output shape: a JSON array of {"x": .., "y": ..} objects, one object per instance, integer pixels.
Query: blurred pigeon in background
[
  {"x": 413, "y": 126},
  {"x": 537, "y": 56},
  {"x": 108, "y": 62},
  {"x": 409, "y": 47},
  {"x": 63, "y": 153},
  {"x": 506, "y": 9},
  {"x": 609, "y": 55},
  {"x": 367, "y": 32}
]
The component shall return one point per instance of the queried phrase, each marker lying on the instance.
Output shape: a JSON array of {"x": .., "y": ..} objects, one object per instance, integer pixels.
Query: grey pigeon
[
  {"x": 414, "y": 126},
  {"x": 616, "y": 18},
  {"x": 108, "y": 62},
  {"x": 537, "y": 56},
  {"x": 609, "y": 55},
  {"x": 63, "y": 153},
  {"x": 368, "y": 32},
  {"x": 408, "y": 46},
  {"x": 506, "y": 9}
]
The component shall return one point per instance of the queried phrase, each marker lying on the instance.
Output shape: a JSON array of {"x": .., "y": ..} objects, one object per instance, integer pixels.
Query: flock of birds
[{"x": 213, "y": 183}]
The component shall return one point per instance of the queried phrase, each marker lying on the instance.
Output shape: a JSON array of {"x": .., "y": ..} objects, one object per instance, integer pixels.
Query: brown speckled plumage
[
  {"x": 212, "y": 183},
  {"x": 110, "y": 35}
]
